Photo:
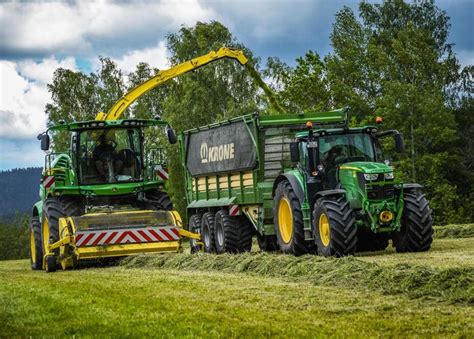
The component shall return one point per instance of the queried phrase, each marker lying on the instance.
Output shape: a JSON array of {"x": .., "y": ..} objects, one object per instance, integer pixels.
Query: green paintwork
[
  {"x": 261, "y": 193},
  {"x": 63, "y": 166}
]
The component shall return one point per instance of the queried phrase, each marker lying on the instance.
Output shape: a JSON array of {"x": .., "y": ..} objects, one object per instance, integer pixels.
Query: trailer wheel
[
  {"x": 195, "y": 227},
  {"x": 226, "y": 233},
  {"x": 334, "y": 227},
  {"x": 267, "y": 243},
  {"x": 369, "y": 241},
  {"x": 247, "y": 231},
  {"x": 36, "y": 248},
  {"x": 288, "y": 219},
  {"x": 207, "y": 232},
  {"x": 161, "y": 200},
  {"x": 416, "y": 232}
]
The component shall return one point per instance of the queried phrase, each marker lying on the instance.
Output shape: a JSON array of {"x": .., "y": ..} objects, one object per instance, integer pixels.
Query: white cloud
[
  {"x": 89, "y": 27},
  {"x": 23, "y": 95},
  {"x": 155, "y": 56}
]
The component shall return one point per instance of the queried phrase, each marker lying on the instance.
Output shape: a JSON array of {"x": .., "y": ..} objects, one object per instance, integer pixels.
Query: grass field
[{"x": 252, "y": 295}]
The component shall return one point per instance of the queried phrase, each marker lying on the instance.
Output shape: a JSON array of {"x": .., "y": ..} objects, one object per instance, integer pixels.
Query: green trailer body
[{"x": 270, "y": 175}]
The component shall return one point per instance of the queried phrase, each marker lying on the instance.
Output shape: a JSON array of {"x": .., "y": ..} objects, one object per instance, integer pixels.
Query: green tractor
[{"x": 302, "y": 183}]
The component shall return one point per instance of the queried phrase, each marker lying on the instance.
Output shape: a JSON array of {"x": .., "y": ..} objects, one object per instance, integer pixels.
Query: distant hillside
[{"x": 19, "y": 189}]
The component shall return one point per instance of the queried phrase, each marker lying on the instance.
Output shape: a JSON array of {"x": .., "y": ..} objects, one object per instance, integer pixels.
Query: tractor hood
[{"x": 367, "y": 167}]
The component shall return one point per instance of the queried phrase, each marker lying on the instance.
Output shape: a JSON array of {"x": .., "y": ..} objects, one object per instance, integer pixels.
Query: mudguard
[
  {"x": 411, "y": 187},
  {"x": 296, "y": 181},
  {"x": 38, "y": 210}
]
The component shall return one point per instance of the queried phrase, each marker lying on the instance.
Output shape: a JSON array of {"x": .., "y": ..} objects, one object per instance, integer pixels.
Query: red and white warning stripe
[
  {"x": 48, "y": 181},
  {"x": 234, "y": 210},
  {"x": 162, "y": 172},
  {"x": 126, "y": 236}
]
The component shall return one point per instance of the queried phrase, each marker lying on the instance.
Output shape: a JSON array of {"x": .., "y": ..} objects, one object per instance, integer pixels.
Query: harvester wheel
[
  {"x": 247, "y": 231},
  {"x": 226, "y": 233},
  {"x": 207, "y": 232},
  {"x": 334, "y": 227},
  {"x": 161, "y": 200},
  {"x": 36, "y": 248},
  {"x": 369, "y": 241},
  {"x": 288, "y": 219},
  {"x": 52, "y": 211},
  {"x": 416, "y": 232},
  {"x": 267, "y": 243},
  {"x": 195, "y": 227}
]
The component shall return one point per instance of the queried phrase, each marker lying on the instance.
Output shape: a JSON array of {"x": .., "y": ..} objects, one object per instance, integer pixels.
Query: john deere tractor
[{"x": 303, "y": 183}]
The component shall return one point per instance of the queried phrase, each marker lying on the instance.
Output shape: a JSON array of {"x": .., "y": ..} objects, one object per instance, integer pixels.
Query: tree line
[{"x": 392, "y": 60}]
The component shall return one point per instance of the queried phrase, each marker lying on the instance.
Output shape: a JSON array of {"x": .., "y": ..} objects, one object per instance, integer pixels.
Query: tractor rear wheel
[
  {"x": 36, "y": 247},
  {"x": 334, "y": 227},
  {"x": 161, "y": 200},
  {"x": 227, "y": 233},
  {"x": 207, "y": 232},
  {"x": 416, "y": 232},
  {"x": 288, "y": 219},
  {"x": 195, "y": 227},
  {"x": 369, "y": 241},
  {"x": 267, "y": 243}
]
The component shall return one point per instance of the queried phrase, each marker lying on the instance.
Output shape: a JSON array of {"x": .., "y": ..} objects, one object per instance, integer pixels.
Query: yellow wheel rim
[
  {"x": 324, "y": 229},
  {"x": 32, "y": 246},
  {"x": 285, "y": 220},
  {"x": 45, "y": 234}
]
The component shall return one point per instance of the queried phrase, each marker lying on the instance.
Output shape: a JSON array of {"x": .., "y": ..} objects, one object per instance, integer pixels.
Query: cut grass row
[
  {"x": 117, "y": 301},
  {"x": 454, "y": 231},
  {"x": 384, "y": 272}
]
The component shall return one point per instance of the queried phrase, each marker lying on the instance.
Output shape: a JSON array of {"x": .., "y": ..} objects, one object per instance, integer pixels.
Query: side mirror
[
  {"x": 44, "y": 141},
  {"x": 294, "y": 152},
  {"x": 171, "y": 134},
  {"x": 399, "y": 143}
]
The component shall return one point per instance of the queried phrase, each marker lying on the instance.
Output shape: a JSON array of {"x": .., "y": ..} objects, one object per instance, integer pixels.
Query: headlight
[
  {"x": 388, "y": 176},
  {"x": 371, "y": 177}
]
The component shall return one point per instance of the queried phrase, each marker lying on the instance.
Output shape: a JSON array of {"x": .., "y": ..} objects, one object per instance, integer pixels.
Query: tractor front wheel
[
  {"x": 288, "y": 219},
  {"x": 416, "y": 232},
  {"x": 36, "y": 247},
  {"x": 334, "y": 227}
]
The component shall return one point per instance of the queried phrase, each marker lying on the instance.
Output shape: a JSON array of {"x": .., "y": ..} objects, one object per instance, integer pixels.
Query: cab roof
[{"x": 95, "y": 124}]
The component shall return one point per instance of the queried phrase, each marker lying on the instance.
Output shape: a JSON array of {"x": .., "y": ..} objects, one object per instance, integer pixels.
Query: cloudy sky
[{"x": 38, "y": 37}]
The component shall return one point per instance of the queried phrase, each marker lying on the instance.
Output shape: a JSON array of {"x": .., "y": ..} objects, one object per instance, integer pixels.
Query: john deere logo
[{"x": 216, "y": 153}]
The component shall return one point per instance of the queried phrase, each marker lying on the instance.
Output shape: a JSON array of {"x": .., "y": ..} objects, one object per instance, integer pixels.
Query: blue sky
[{"x": 38, "y": 37}]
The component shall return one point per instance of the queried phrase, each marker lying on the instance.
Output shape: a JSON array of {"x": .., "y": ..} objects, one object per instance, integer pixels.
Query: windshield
[
  {"x": 339, "y": 149},
  {"x": 111, "y": 155}
]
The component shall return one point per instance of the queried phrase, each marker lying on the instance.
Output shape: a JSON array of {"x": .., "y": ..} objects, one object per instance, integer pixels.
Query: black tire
[
  {"x": 161, "y": 201},
  {"x": 195, "y": 227},
  {"x": 36, "y": 247},
  {"x": 207, "y": 232},
  {"x": 341, "y": 238},
  {"x": 292, "y": 241},
  {"x": 51, "y": 263},
  {"x": 416, "y": 232},
  {"x": 53, "y": 209},
  {"x": 369, "y": 241},
  {"x": 246, "y": 231},
  {"x": 227, "y": 235},
  {"x": 267, "y": 243}
]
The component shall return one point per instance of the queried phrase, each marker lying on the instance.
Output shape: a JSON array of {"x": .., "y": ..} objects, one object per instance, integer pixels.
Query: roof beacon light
[
  {"x": 309, "y": 125},
  {"x": 378, "y": 120}
]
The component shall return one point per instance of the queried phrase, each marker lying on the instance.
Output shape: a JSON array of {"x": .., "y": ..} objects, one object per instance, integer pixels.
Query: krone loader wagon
[{"x": 302, "y": 183}]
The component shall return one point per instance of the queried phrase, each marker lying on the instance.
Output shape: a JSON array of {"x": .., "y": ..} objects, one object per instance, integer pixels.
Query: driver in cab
[{"x": 105, "y": 159}]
